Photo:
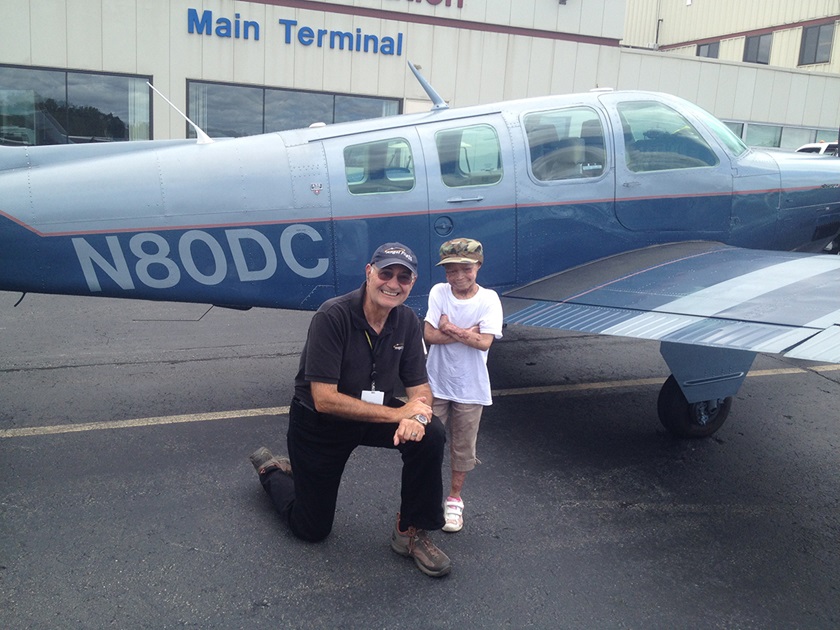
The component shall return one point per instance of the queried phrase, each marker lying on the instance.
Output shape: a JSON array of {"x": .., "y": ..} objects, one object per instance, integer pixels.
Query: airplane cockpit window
[
  {"x": 379, "y": 167},
  {"x": 658, "y": 138},
  {"x": 565, "y": 144},
  {"x": 469, "y": 156}
]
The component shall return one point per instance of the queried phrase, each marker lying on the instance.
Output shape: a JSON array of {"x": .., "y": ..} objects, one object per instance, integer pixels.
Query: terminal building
[
  {"x": 798, "y": 36},
  {"x": 77, "y": 70}
]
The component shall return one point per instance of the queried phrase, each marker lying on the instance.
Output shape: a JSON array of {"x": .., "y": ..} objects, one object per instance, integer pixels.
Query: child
[{"x": 462, "y": 320}]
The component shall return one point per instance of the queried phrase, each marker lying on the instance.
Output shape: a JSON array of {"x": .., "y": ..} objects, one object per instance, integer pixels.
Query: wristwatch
[{"x": 421, "y": 419}]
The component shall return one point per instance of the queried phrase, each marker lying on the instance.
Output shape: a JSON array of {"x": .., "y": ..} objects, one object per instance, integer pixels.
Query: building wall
[
  {"x": 736, "y": 91},
  {"x": 684, "y": 24},
  {"x": 486, "y": 51},
  {"x": 465, "y": 59}
]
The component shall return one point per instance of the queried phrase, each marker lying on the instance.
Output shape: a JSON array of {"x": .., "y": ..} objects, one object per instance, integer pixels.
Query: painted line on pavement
[{"x": 280, "y": 411}]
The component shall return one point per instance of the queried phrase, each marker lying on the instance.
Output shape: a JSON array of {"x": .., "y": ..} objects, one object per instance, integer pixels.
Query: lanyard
[{"x": 372, "y": 364}]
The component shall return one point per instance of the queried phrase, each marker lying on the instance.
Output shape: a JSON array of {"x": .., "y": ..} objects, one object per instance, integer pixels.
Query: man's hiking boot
[
  {"x": 263, "y": 461},
  {"x": 415, "y": 543}
]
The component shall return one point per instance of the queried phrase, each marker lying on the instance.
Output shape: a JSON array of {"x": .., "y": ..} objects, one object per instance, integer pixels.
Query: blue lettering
[
  {"x": 341, "y": 37},
  {"x": 289, "y": 24},
  {"x": 374, "y": 41},
  {"x": 203, "y": 25},
  {"x": 223, "y": 27},
  {"x": 251, "y": 26},
  {"x": 306, "y": 35},
  {"x": 342, "y": 40}
]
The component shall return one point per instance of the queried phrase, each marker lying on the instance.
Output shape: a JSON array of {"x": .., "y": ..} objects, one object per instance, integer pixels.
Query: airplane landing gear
[{"x": 690, "y": 420}]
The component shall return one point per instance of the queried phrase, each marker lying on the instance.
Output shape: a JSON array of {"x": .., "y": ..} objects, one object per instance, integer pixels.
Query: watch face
[{"x": 421, "y": 419}]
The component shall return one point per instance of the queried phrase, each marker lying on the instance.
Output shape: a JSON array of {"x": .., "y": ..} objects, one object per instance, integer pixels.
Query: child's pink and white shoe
[{"x": 453, "y": 512}]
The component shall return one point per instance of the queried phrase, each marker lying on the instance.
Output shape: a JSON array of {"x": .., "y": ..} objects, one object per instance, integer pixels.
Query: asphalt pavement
[{"x": 127, "y": 499}]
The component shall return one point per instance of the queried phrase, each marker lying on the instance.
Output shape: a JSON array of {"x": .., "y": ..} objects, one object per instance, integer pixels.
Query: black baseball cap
[{"x": 394, "y": 254}]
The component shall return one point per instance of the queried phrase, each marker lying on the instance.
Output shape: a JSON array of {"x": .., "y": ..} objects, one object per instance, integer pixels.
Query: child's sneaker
[{"x": 454, "y": 514}]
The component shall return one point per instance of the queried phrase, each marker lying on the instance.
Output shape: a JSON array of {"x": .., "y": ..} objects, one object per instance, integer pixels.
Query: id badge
[{"x": 373, "y": 396}]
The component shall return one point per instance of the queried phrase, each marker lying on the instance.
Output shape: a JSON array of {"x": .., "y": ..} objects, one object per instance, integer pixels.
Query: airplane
[{"x": 624, "y": 213}]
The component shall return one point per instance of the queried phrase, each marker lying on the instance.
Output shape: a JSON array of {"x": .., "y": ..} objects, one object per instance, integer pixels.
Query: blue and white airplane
[{"x": 621, "y": 213}]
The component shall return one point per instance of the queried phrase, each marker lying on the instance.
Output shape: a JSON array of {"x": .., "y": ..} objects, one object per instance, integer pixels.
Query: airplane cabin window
[
  {"x": 384, "y": 166},
  {"x": 658, "y": 138},
  {"x": 469, "y": 156},
  {"x": 565, "y": 144}
]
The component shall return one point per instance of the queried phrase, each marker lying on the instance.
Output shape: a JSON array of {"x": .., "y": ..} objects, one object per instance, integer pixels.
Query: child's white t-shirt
[{"x": 458, "y": 372}]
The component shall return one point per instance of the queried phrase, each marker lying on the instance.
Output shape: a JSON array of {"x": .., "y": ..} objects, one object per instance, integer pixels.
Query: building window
[
  {"x": 469, "y": 156},
  {"x": 39, "y": 106},
  {"x": 795, "y": 137},
  {"x": 711, "y": 50},
  {"x": 757, "y": 48},
  {"x": 384, "y": 166},
  {"x": 763, "y": 135},
  {"x": 565, "y": 144},
  {"x": 816, "y": 44},
  {"x": 231, "y": 111}
]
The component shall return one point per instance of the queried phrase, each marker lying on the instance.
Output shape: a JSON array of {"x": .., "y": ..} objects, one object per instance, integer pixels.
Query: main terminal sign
[{"x": 237, "y": 28}]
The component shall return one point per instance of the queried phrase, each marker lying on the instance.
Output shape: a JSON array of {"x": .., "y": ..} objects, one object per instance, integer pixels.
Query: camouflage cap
[{"x": 461, "y": 250}]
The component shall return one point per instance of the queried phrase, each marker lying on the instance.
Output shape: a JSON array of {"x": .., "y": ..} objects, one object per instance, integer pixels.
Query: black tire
[{"x": 690, "y": 420}]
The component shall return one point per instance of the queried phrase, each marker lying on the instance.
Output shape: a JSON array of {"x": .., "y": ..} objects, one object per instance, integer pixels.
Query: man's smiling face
[{"x": 389, "y": 287}]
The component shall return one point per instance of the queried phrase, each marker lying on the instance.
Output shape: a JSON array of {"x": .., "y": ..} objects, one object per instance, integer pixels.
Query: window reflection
[
  {"x": 658, "y": 138},
  {"x": 385, "y": 166},
  {"x": 287, "y": 109},
  {"x": 224, "y": 110},
  {"x": 469, "y": 156},
  {"x": 565, "y": 144},
  {"x": 349, "y": 108},
  {"x": 57, "y": 107}
]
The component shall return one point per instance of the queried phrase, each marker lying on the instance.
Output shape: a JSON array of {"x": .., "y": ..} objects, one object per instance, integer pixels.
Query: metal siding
[
  {"x": 86, "y": 16},
  {"x": 490, "y": 89},
  {"x": 118, "y": 34},
  {"x": 48, "y": 39},
  {"x": 539, "y": 74},
  {"x": 15, "y": 32},
  {"x": 249, "y": 63},
  {"x": 520, "y": 54}
]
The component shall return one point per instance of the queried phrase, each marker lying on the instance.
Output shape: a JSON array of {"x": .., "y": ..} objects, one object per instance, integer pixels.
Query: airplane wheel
[{"x": 690, "y": 420}]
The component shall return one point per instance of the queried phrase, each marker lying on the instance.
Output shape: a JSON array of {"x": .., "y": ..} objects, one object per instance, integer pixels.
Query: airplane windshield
[
  {"x": 659, "y": 138},
  {"x": 723, "y": 133}
]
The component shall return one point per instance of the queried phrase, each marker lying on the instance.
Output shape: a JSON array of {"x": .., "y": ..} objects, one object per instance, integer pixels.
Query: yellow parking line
[
  {"x": 143, "y": 422},
  {"x": 280, "y": 411}
]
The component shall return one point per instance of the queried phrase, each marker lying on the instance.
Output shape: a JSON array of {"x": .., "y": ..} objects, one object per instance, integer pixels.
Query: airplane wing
[{"x": 697, "y": 293}]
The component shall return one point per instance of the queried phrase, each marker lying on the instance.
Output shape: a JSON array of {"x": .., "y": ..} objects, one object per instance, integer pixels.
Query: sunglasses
[{"x": 404, "y": 278}]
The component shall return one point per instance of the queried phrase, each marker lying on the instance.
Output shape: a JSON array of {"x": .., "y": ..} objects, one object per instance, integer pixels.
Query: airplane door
[
  {"x": 669, "y": 177},
  {"x": 378, "y": 195},
  {"x": 471, "y": 191}
]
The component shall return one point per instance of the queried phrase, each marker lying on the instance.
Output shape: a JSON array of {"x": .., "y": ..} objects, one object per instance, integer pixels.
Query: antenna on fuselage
[
  {"x": 436, "y": 98},
  {"x": 202, "y": 138}
]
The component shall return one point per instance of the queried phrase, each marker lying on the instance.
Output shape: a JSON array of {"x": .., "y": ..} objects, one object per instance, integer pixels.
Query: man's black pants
[{"x": 319, "y": 447}]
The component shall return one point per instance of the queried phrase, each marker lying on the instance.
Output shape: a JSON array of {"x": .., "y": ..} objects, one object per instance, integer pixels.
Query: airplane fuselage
[{"x": 289, "y": 219}]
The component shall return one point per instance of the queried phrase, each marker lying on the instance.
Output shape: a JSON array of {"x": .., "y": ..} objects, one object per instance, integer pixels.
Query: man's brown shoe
[
  {"x": 263, "y": 460},
  {"x": 415, "y": 543}
]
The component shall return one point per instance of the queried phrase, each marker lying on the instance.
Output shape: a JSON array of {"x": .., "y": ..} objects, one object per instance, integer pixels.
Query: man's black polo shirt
[{"x": 337, "y": 350}]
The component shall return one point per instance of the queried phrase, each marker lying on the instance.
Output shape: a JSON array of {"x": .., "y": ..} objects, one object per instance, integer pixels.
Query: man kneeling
[{"x": 357, "y": 347}]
